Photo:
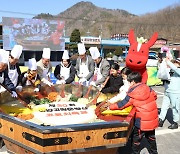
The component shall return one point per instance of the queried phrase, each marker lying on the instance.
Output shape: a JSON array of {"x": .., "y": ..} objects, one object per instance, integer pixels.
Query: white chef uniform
[
  {"x": 95, "y": 54},
  {"x": 46, "y": 54},
  {"x": 12, "y": 72},
  {"x": 65, "y": 72}
]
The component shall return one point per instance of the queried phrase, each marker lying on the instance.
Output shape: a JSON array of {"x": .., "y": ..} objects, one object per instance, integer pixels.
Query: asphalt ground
[{"x": 168, "y": 141}]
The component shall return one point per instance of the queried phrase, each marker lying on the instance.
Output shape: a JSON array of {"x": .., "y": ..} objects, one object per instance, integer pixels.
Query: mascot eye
[
  {"x": 133, "y": 50},
  {"x": 142, "y": 51}
]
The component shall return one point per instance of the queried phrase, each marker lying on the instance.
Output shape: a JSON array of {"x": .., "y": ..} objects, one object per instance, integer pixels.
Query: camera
[{"x": 171, "y": 72}]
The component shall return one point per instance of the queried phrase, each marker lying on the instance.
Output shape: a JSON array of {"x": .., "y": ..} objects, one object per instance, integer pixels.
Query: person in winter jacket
[
  {"x": 123, "y": 89},
  {"x": 143, "y": 99},
  {"x": 115, "y": 81},
  {"x": 172, "y": 95}
]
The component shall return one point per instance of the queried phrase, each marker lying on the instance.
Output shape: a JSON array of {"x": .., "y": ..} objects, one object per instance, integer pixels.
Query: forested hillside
[{"x": 87, "y": 17}]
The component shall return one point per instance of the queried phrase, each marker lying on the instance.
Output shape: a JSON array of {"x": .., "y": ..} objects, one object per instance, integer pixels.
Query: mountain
[
  {"x": 93, "y": 20},
  {"x": 87, "y": 17}
]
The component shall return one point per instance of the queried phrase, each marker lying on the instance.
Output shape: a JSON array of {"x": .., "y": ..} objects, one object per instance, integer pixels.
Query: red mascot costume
[{"x": 138, "y": 54}]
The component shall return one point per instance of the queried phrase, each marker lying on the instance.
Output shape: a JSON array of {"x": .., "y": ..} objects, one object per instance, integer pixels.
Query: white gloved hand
[
  {"x": 47, "y": 82},
  {"x": 82, "y": 80},
  {"x": 14, "y": 94},
  {"x": 80, "y": 75},
  {"x": 26, "y": 75},
  {"x": 63, "y": 81},
  {"x": 36, "y": 89},
  {"x": 93, "y": 84},
  {"x": 19, "y": 88},
  {"x": 60, "y": 82}
]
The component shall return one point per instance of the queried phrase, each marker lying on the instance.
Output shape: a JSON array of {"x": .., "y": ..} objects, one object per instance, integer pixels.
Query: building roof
[{"x": 106, "y": 42}]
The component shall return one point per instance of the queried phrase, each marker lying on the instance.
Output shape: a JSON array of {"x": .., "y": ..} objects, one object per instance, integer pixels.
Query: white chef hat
[
  {"x": 16, "y": 51},
  {"x": 46, "y": 53},
  {"x": 94, "y": 52},
  {"x": 81, "y": 48},
  {"x": 32, "y": 64},
  {"x": 65, "y": 54},
  {"x": 4, "y": 56}
]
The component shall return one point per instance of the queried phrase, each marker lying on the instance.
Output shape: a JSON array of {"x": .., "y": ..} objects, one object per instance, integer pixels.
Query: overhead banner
[{"x": 33, "y": 34}]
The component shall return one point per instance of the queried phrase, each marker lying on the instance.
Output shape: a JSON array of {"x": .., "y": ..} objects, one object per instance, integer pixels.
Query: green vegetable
[
  {"x": 44, "y": 101},
  {"x": 33, "y": 99},
  {"x": 37, "y": 101},
  {"x": 73, "y": 98}
]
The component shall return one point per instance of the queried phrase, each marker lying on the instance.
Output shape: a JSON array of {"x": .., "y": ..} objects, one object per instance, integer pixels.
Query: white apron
[
  {"x": 65, "y": 72},
  {"x": 83, "y": 69},
  {"x": 45, "y": 73},
  {"x": 2, "y": 89},
  {"x": 13, "y": 75},
  {"x": 97, "y": 73}
]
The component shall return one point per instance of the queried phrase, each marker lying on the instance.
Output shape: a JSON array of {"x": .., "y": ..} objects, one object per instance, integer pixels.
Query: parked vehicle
[
  {"x": 152, "y": 60},
  {"x": 153, "y": 53}
]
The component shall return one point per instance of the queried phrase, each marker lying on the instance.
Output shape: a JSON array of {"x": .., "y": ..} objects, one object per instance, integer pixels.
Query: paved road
[{"x": 168, "y": 141}]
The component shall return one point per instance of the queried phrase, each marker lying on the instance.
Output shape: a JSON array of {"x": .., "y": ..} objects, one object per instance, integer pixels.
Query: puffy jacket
[{"x": 143, "y": 98}]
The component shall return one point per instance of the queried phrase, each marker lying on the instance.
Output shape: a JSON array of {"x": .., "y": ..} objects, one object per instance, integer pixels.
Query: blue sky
[{"x": 27, "y": 9}]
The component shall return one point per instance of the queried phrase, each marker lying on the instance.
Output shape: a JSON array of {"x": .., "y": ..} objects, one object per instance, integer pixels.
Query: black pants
[{"x": 137, "y": 137}]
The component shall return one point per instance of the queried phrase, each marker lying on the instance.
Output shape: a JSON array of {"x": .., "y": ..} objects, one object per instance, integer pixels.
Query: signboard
[
  {"x": 33, "y": 34},
  {"x": 119, "y": 36},
  {"x": 161, "y": 42},
  {"x": 91, "y": 40}
]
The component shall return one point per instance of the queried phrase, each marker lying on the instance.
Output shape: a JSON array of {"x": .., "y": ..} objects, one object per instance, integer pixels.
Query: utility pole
[
  {"x": 100, "y": 29},
  {"x": 88, "y": 33}
]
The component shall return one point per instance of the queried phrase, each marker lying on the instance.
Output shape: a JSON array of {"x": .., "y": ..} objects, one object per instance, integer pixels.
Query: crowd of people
[{"x": 94, "y": 70}]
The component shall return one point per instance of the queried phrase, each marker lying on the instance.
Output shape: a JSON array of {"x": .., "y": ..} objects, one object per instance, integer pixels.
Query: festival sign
[
  {"x": 91, "y": 40},
  {"x": 33, "y": 34}
]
